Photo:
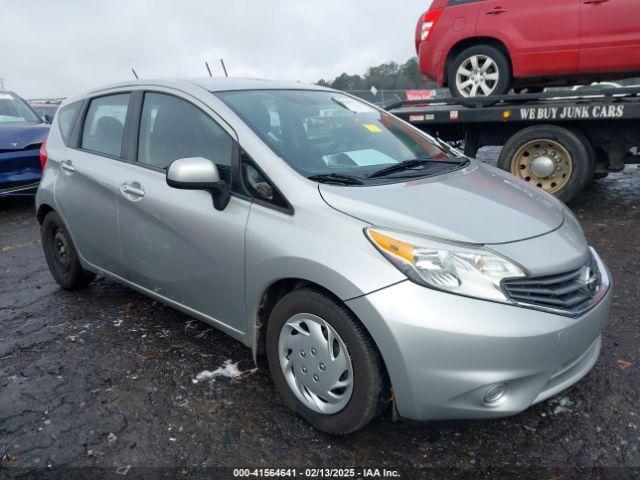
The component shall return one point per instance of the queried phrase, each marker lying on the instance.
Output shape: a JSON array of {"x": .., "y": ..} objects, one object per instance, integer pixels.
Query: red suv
[{"x": 486, "y": 47}]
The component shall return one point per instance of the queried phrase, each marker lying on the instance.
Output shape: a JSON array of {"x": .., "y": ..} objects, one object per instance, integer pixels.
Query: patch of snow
[
  {"x": 560, "y": 409},
  {"x": 565, "y": 402},
  {"x": 123, "y": 470},
  {"x": 228, "y": 370}
]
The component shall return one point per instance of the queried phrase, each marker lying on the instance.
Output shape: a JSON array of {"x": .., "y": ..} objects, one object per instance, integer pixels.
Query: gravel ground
[{"x": 105, "y": 378}]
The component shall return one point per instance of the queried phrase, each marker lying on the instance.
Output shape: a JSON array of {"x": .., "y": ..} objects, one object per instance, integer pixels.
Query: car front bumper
[
  {"x": 20, "y": 172},
  {"x": 445, "y": 352}
]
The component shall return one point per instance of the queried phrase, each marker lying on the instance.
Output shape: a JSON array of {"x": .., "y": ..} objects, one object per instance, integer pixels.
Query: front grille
[{"x": 570, "y": 292}]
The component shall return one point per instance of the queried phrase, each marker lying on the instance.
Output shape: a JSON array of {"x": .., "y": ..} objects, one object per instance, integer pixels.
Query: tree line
[{"x": 387, "y": 76}]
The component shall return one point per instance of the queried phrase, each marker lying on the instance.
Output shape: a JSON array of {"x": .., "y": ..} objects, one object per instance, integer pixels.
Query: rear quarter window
[
  {"x": 103, "y": 129},
  {"x": 66, "y": 120}
]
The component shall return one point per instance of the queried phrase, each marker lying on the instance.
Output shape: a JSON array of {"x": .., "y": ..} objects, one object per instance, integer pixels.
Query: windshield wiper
[
  {"x": 410, "y": 165},
  {"x": 336, "y": 178},
  {"x": 400, "y": 167}
]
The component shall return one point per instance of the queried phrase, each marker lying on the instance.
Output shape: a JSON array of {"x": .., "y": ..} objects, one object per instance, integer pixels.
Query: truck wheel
[
  {"x": 479, "y": 71},
  {"x": 555, "y": 159},
  {"x": 61, "y": 255},
  {"x": 324, "y": 364}
]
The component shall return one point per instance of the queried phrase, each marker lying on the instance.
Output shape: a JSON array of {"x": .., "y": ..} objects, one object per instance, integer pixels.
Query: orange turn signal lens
[{"x": 391, "y": 245}]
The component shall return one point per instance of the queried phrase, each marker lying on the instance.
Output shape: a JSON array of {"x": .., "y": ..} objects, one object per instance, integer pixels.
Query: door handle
[
  {"x": 594, "y": 2},
  {"x": 496, "y": 11},
  {"x": 131, "y": 190},
  {"x": 67, "y": 166}
]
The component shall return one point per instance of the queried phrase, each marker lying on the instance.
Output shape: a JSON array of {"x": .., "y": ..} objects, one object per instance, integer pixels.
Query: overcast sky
[{"x": 61, "y": 47}]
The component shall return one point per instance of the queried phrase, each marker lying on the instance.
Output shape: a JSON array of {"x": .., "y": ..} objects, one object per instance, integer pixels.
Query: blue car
[{"x": 22, "y": 132}]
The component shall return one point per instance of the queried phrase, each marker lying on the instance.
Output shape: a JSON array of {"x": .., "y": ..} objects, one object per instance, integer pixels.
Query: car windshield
[
  {"x": 324, "y": 133},
  {"x": 15, "y": 110}
]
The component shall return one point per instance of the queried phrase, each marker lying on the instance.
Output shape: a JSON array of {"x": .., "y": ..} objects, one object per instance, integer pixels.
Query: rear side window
[
  {"x": 66, "y": 119},
  {"x": 104, "y": 124},
  {"x": 173, "y": 128}
]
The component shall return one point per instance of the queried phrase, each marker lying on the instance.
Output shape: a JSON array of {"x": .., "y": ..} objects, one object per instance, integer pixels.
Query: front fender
[{"x": 320, "y": 246}]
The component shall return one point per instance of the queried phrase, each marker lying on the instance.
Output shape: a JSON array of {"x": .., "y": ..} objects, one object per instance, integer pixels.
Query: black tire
[
  {"x": 370, "y": 385},
  {"x": 61, "y": 255},
  {"x": 580, "y": 151},
  {"x": 503, "y": 67}
]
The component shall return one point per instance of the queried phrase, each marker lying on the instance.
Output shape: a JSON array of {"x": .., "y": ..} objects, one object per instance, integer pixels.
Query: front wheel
[
  {"x": 324, "y": 363},
  {"x": 557, "y": 160},
  {"x": 479, "y": 71}
]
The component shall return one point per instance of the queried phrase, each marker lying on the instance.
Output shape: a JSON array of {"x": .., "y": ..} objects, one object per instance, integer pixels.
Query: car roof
[
  {"x": 227, "y": 84},
  {"x": 214, "y": 84}
]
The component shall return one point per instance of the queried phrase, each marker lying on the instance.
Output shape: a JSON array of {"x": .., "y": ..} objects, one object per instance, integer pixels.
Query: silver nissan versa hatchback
[{"x": 367, "y": 261}]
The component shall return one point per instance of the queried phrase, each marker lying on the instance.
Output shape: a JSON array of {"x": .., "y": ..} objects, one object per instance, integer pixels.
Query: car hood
[
  {"x": 478, "y": 204},
  {"x": 18, "y": 137}
]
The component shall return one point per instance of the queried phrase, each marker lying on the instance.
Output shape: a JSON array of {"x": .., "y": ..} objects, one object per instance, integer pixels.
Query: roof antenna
[
  {"x": 134, "y": 73},
  {"x": 224, "y": 68},
  {"x": 208, "y": 69}
]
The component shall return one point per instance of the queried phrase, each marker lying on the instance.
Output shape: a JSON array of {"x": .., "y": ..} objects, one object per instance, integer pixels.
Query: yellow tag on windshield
[{"x": 373, "y": 128}]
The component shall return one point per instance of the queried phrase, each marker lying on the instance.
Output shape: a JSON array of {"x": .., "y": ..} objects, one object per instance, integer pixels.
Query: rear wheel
[
  {"x": 61, "y": 255},
  {"x": 555, "y": 159},
  {"x": 479, "y": 71},
  {"x": 324, "y": 363}
]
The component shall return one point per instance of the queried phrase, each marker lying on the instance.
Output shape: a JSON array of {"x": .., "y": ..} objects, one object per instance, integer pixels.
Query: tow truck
[{"x": 558, "y": 141}]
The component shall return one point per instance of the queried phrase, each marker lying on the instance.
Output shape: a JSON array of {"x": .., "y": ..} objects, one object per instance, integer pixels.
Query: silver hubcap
[
  {"x": 544, "y": 163},
  {"x": 315, "y": 363},
  {"x": 477, "y": 76}
]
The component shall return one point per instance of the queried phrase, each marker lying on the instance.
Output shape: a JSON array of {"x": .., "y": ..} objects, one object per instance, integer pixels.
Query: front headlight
[{"x": 455, "y": 268}]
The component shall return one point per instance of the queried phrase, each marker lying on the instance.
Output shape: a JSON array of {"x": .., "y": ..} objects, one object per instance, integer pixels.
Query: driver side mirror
[
  {"x": 199, "y": 174},
  {"x": 48, "y": 118}
]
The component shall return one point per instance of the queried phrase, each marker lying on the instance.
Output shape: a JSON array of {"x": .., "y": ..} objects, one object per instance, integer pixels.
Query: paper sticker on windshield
[
  {"x": 373, "y": 128},
  {"x": 353, "y": 105},
  {"x": 359, "y": 158}
]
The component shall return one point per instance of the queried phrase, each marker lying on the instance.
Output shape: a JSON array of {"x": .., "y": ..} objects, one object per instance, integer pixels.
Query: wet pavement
[{"x": 105, "y": 377}]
